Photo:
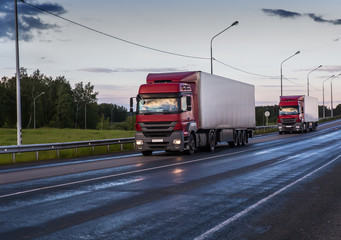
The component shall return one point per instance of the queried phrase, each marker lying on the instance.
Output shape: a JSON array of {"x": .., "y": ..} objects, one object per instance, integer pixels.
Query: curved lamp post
[
  {"x": 324, "y": 108},
  {"x": 19, "y": 126},
  {"x": 331, "y": 94},
  {"x": 233, "y": 24},
  {"x": 308, "y": 78},
  {"x": 282, "y": 70},
  {"x": 34, "y": 109}
]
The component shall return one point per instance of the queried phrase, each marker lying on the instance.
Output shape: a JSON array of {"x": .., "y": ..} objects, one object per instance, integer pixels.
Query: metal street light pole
[
  {"x": 85, "y": 116},
  {"x": 34, "y": 109},
  {"x": 324, "y": 108},
  {"x": 19, "y": 135},
  {"x": 112, "y": 108},
  {"x": 282, "y": 70},
  {"x": 308, "y": 78},
  {"x": 233, "y": 24},
  {"x": 331, "y": 95}
]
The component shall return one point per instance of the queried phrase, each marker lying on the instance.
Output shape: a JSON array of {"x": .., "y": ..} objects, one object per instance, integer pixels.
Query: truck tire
[
  {"x": 191, "y": 145},
  {"x": 240, "y": 138},
  {"x": 211, "y": 141},
  {"x": 147, "y": 153},
  {"x": 243, "y": 135},
  {"x": 235, "y": 140}
]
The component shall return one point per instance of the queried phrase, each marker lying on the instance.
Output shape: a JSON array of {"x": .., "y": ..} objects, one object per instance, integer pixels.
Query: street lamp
[
  {"x": 331, "y": 95},
  {"x": 85, "y": 116},
  {"x": 282, "y": 71},
  {"x": 34, "y": 109},
  {"x": 308, "y": 78},
  {"x": 19, "y": 127},
  {"x": 233, "y": 24},
  {"x": 324, "y": 108},
  {"x": 112, "y": 108}
]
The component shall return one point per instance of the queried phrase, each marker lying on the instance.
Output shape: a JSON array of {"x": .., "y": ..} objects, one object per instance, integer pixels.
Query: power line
[
  {"x": 292, "y": 82},
  {"x": 141, "y": 45},
  {"x": 111, "y": 36},
  {"x": 240, "y": 70}
]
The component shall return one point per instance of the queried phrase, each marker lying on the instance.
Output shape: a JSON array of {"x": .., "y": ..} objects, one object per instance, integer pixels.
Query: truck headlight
[
  {"x": 177, "y": 141},
  {"x": 139, "y": 142}
]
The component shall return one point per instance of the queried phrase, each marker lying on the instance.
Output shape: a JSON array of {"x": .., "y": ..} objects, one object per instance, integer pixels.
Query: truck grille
[
  {"x": 288, "y": 121},
  {"x": 157, "y": 129}
]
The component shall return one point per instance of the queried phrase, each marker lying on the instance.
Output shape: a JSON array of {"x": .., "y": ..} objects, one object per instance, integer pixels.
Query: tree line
[{"x": 56, "y": 103}]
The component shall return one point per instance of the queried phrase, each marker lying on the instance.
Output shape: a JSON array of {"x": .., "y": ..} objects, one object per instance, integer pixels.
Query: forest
[{"x": 58, "y": 105}]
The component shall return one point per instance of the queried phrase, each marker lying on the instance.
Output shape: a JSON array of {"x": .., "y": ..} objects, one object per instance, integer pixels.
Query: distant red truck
[
  {"x": 297, "y": 114},
  {"x": 183, "y": 111}
]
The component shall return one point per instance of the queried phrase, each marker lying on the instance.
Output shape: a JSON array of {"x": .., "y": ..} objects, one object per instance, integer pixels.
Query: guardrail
[
  {"x": 265, "y": 129},
  {"x": 69, "y": 145},
  {"x": 59, "y": 146}
]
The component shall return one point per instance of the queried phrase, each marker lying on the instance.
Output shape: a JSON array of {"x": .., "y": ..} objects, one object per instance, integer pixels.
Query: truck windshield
[
  {"x": 290, "y": 110},
  {"x": 158, "y": 105}
]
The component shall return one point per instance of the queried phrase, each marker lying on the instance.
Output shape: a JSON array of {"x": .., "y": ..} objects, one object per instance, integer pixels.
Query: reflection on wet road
[{"x": 205, "y": 196}]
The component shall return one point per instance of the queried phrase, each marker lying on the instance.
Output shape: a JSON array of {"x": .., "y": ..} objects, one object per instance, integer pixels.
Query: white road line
[
  {"x": 242, "y": 213},
  {"x": 127, "y": 173},
  {"x": 119, "y": 174}
]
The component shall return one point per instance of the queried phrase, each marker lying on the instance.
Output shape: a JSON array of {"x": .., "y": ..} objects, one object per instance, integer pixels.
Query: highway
[{"x": 276, "y": 187}]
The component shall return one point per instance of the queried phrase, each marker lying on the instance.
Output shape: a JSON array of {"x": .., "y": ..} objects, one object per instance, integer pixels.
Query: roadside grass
[{"x": 52, "y": 135}]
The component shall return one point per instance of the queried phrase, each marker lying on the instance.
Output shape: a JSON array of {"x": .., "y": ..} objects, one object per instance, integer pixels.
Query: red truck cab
[
  {"x": 165, "y": 107},
  {"x": 297, "y": 114}
]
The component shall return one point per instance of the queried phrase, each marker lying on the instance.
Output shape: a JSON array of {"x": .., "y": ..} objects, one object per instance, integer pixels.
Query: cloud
[
  {"x": 109, "y": 70},
  {"x": 288, "y": 14},
  {"x": 317, "y": 18},
  {"x": 321, "y": 20},
  {"x": 281, "y": 13},
  {"x": 29, "y": 19},
  {"x": 331, "y": 68}
]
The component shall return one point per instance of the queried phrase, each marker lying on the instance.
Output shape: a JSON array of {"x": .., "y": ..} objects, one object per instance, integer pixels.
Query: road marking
[
  {"x": 132, "y": 172},
  {"x": 119, "y": 174},
  {"x": 69, "y": 163},
  {"x": 257, "y": 204}
]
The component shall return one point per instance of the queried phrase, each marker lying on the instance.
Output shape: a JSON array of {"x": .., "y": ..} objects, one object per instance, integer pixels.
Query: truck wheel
[
  {"x": 211, "y": 141},
  {"x": 191, "y": 145},
  {"x": 243, "y": 135},
  {"x": 235, "y": 140},
  {"x": 147, "y": 153},
  {"x": 240, "y": 138}
]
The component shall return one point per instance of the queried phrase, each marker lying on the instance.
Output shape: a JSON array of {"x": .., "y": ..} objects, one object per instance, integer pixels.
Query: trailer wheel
[
  {"x": 243, "y": 135},
  {"x": 147, "y": 153},
  {"x": 235, "y": 140},
  {"x": 211, "y": 141},
  {"x": 191, "y": 145}
]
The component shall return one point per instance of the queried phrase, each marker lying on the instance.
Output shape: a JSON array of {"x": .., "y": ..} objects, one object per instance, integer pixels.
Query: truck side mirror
[
  {"x": 131, "y": 104},
  {"x": 189, "y": 103}
]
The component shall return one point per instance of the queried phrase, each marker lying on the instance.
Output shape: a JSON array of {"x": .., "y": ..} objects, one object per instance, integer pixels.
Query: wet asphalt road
[{"x": 277, "y": 187}]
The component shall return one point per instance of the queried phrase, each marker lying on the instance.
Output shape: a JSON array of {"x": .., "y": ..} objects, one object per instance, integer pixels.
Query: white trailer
[{"x": 225, "y": 103}]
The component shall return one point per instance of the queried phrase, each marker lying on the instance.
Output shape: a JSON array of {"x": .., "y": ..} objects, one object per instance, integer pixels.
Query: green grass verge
[{"x": 51, "y": 135}]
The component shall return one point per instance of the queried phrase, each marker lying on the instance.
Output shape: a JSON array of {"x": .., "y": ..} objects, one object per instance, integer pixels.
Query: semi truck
[
  {"x": 185, "y": 111},
  {"x": 297, "y": 114}
]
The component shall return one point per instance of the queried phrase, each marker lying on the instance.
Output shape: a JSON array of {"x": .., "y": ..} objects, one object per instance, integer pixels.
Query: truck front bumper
[
  {"x": 175, "y": 142},
  {"x": 296, "y": 127}
]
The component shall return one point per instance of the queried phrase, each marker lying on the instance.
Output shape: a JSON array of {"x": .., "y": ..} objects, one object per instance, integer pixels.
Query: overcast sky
[{"x": 252, "y": 51}]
